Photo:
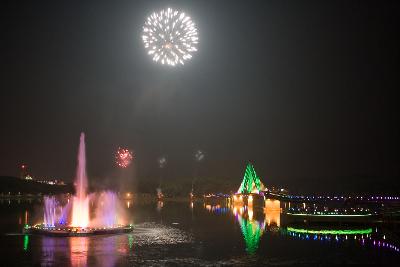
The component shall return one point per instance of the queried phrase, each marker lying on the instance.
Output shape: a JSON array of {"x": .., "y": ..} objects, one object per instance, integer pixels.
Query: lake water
[{"x": 197, "y": 234}]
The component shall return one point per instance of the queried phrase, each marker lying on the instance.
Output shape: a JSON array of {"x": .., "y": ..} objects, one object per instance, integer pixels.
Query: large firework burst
[
  {"x": 123, "y": 157},
  {"x": 170, "y": 37}
]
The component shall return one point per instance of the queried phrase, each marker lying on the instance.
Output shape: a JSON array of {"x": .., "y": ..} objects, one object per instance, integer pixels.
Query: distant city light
[{"x": 329, "y": 215}]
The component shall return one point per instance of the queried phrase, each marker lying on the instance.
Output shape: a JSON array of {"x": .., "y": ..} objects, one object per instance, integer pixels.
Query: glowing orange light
[
  {"x": 272, "y": 212},
  {"x": 250, "y": 213}
]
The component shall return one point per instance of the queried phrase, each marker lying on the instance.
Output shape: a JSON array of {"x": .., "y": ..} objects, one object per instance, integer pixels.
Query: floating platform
[{"x": 40, "y": 229}]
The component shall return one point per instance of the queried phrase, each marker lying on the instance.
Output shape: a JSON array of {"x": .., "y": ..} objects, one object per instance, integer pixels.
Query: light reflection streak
[
  {"x": 272, "y": 213},
  {"x": 48, "y": 249},
  {"x": 78, "y": 251},
  {"x": 26, "y": 242}
]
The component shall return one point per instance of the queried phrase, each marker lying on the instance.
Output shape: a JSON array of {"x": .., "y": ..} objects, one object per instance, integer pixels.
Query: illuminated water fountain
[
  {"x": 80, "y": 204},
  {"x": 49, "y": 211},
  {"x": 105, "y": 216}
]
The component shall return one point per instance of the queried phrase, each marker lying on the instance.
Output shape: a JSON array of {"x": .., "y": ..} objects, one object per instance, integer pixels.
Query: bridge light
[{"x": 250, "y": 199}]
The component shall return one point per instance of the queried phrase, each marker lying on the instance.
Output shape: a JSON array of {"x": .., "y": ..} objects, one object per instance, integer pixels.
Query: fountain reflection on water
[{"x": 78, "y": 250}]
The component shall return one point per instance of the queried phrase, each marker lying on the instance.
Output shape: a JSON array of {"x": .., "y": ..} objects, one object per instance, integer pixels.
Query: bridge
[
  {"x": 252, "y": 193},
  {"x": 252, "y": 188}
]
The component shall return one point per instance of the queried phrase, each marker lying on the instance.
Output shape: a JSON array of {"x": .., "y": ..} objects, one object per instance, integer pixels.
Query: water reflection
[
  {"x": 255, "y": 222},
  {"x": 364, "y": 236},
  {"x": 251, "y": 229},
  {"x": 53, "y": 249},
  {"x": 272, "y": 211},
  {"x": 106, "y": 251},
  {"x": 78, "y": 250},
  {"x": 262, "y": 228},
  {"x": 130, "y": 241},
  {"x": 26, "y": 242}
]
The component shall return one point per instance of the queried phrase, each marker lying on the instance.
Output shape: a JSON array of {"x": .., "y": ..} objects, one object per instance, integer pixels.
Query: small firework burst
[
  {"x": 123, "y": 157},
  {"x": 162, "y": 162},
  {"x": 199, "y": 155}
]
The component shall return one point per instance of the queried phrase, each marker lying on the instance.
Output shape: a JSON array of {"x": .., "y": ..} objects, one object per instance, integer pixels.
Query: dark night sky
[{"x": 304, "y": 89}]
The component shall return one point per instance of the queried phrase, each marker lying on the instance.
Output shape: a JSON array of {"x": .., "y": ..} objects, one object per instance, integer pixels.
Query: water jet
[{"x": 77, "y": 217}]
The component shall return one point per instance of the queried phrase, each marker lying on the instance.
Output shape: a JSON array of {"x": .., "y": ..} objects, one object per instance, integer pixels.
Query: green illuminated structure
[
  {"x": 331, "y": 232},
  {"x": 252, "y": 232},
  {"x": 251, "y": 182}
]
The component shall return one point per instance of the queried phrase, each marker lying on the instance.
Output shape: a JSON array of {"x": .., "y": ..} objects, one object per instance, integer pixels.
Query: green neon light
[
  {"x": 329, "y": 215},
  {"x": 26, "y": 242},
  {"x": 331, "y": 232},
  {"x": 251, "y": 182},
  {"x": 252, "y": 233}
]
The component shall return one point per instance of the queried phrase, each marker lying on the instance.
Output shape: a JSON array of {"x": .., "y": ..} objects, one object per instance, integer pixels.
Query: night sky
[{"x": 306, "y": 90}]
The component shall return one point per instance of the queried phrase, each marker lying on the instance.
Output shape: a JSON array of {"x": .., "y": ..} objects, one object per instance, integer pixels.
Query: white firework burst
[{"x": 170, "y": 37}]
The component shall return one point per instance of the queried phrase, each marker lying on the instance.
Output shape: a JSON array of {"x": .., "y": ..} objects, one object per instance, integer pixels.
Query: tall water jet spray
[
  {"x": 49, "y": 216},
  {"x": 107, "y": 210},
  {"x": 80, "y": 205}
]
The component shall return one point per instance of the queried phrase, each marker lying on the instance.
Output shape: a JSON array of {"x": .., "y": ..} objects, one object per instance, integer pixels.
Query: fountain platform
[{"x": 66, "y": 231}]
